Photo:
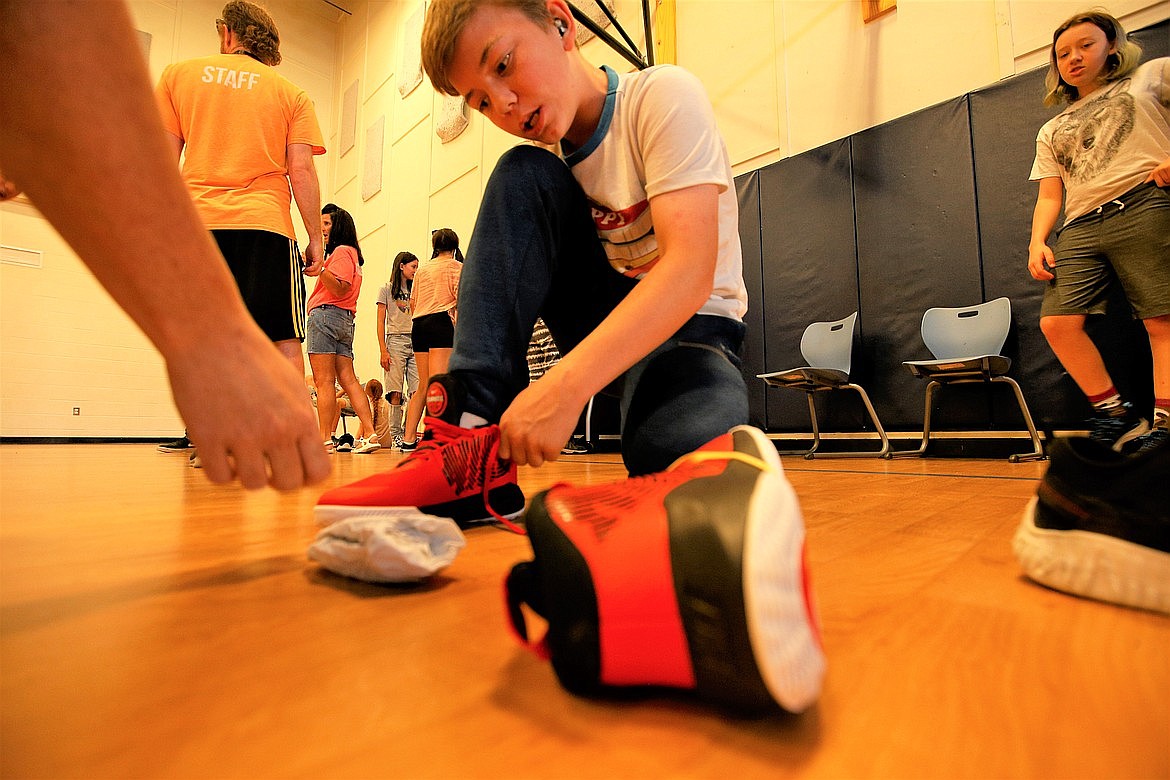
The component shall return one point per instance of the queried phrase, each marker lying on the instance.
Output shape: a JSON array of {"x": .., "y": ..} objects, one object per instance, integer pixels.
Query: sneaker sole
[
  {"x": 737, "y": 555},
  {"x": 1093, "y": 565},
  {"x": 778, "y": 597},
  {"x": 1139, "y": 430},
  {"x": 508, "y": 500}
]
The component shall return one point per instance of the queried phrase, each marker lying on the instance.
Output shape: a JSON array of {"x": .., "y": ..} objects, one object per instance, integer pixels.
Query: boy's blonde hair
[
  {"x": 1117, "y": 65},
  {"x": 444, "y": 24}
]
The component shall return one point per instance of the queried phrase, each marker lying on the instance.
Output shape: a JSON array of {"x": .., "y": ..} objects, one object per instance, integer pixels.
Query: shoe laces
[{"x": 435, "y": 437}]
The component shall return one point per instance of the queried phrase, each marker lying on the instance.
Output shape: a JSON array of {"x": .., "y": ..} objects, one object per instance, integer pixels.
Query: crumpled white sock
[{"x": 401, "y": 544}]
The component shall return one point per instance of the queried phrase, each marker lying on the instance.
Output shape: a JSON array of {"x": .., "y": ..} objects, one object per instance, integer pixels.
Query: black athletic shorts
[
  {"x": 267, "y": 267},
  {"x": 432, "y": 331}
]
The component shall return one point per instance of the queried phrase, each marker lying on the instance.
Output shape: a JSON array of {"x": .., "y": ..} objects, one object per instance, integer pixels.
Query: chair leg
[
  {"x": 813, "y": 452},
  {"x": 1037, "y": 452},
  {"x": 812, "y": 415},
  {"x": 816, "y": 431},
  {"x": 882, "y": 452},
  {"x": 921, "y": 451}
]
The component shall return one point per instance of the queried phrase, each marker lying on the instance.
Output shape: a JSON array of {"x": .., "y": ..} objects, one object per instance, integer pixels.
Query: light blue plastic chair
[
  {"x": 827, "y": 347},
  {"x": 967, "y": 343}
]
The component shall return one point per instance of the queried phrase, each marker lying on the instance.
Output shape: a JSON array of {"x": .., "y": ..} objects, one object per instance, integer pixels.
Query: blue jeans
[{"x": 535, "y": 252}]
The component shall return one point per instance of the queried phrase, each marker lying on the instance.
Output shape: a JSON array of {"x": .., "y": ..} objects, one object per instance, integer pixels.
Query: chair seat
[
  {"x": 959, "y": 368},
  {"x": 807, "y": 378}
]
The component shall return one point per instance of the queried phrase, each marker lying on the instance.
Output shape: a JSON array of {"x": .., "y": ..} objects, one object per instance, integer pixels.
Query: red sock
[{"x": 1108, "y": 398}]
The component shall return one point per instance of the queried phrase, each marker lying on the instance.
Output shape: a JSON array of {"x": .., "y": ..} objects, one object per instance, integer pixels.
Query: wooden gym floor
[{"x": 154, "y": 626}]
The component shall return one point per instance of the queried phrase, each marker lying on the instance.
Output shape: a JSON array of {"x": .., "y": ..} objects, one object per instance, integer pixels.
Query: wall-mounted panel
[
  {"x": 1004, "y": 121},
  {"x": 452, "y": 160},
  {"x": 917, "y": 247},
  {"x": 809, "y": 271},
  {"x": 748, "y": 194},
  {"x": 409, "y": 203}
]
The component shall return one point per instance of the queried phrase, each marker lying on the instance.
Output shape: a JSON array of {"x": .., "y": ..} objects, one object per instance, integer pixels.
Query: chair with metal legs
[
  {"x": 967, "y": 342},
  {"x": 827, "y": 347}
]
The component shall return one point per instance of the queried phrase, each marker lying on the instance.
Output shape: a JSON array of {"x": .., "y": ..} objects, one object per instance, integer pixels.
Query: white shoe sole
[
  {"x": 778, "y": 599},
  {"x": 1094, "y": 565}
]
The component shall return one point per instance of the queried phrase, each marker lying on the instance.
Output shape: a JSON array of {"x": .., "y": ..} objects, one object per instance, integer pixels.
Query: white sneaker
[{"x": 362, "y": 446}]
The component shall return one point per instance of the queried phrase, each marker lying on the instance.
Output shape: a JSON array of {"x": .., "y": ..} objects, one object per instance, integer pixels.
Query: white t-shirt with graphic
[
  {"x": 658, "y": 134},
  {"x": 1104, "y": 145}
]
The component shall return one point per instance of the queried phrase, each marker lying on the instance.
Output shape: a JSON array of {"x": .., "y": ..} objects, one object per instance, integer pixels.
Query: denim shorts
[
  {"x": 331, "y": 331},
  {"x": 1127, "y": 239}
]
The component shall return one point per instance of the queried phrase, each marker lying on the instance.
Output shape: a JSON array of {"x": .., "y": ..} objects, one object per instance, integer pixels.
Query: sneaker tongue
[{"x": 445, "y": 398}]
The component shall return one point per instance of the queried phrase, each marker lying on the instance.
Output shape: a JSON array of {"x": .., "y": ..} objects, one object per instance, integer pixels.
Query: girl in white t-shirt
[{"x": 1106, "y": 160}]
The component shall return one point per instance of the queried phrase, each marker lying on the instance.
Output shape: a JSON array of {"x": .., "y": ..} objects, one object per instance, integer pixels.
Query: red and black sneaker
[
  {"x": 455, "y": 472},
  {"x": 693, "y": 578}
]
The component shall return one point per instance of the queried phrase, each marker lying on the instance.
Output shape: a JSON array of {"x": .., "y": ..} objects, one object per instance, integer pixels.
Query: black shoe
[
  {"x": 1157, "y": 437},
  {"x": 576, "y": 446},
  {"x": 1099, "y": 525},
  {"x": 178, "y": 445},
  {"x": 1118, "y": 426}
]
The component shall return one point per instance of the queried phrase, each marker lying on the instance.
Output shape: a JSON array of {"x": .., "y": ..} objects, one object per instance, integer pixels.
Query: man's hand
[
  {"x": 314, "y": 259},
  {"x": 248, "y": 413}
]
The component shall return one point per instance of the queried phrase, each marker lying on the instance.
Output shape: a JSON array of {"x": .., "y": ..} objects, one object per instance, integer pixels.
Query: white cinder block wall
[{"x": 784, "y": 76}]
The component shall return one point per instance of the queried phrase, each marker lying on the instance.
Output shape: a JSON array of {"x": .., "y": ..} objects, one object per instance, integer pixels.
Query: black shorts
[
  {"x": 432, "y": 331},
  {"x": 267, "y": 268}
]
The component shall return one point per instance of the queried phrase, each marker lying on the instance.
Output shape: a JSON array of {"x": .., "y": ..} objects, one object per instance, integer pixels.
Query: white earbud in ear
[{"x": 562, "y": 28}]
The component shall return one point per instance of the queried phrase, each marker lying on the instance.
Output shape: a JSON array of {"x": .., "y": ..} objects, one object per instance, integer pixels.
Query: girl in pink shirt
[{"x": 332, "y": 308}]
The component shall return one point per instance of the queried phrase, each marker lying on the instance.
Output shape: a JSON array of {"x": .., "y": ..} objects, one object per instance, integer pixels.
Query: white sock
[{"x": 469, "y": 420}]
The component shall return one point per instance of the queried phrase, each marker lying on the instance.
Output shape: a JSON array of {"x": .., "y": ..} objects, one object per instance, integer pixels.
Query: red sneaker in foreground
[
  {"x": 693, "y": 578},
  {"x": 455, "y": 472}
]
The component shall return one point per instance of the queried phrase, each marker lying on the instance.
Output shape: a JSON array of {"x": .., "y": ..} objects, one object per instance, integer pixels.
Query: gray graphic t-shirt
[{"x": 1106, "y": 144}]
